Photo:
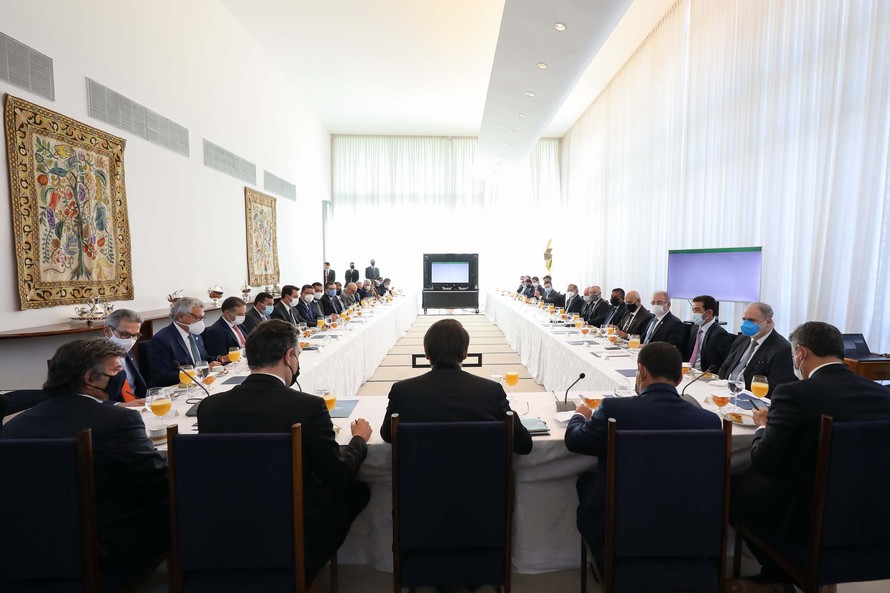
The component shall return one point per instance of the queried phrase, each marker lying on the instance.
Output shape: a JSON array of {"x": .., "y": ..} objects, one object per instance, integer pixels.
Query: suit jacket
[
  {"x": 670, "y": 329},
  {"x": 330, "y": 306},
  {"x": 783, "y": 455},
  {"x": 263, "y": 404},
  {"x": 130, "y": 474},
  {"x": 218, "y": 338},
  {"x": 347, "y": 299},
  {"x": 251, "y": 319},
  {"x": 364, "y": 294},
  {"x": 284, "y": 313},
  {"x": 166, "y": 346},
  {"x": 574, "y": 304},
  {"x": 639, "y": 324},
  {"x": 596, "y": 313},
  {"x": 772, "y": 359},
  {"x": 331, "y": 276},
  {"x": 658, "y": 407},
  {"x": 452, "y": 395},
  {"x": 529, "y": 291},
  {"x": 614, "y": 314},
  {"x": 307, "y": 314},
  {"x": 556, "y": 298},
  {"x": 138, "y": 386},
  {"x": 351, "y": 275},
  {"x": 714, "y": 347},
  {"x": 372, "y": 273}
]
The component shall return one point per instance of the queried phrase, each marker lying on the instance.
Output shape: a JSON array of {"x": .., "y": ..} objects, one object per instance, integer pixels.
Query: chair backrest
[
  {"x": 49, "y": 524},
  {"x": 452, "y": 484},
  {"x": 854, "y": 471},
  {"x": 22, "y": 399},
  {"x": 236, "y": 502},
  {"x": 667, "y": 492}
]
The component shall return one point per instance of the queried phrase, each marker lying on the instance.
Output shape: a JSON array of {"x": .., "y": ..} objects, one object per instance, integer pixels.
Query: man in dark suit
[
  {"x": 658, "y": 407},
  {"x": 597, "y": 309},
  {"x": 328, "y": 275},
  {"x": 447, "y": 393},
  {"x": 226, "y": 332},
  {"x": 760, "y": 350},
  {"x": 263, "y": 305},
  {"x": 708, "y": 344},
  {"x": 365, "y": 291},
  {"x": 775, "y": 494},
  {"x": 529, "y": 288},
  {"x": 637, "y": 318},
  {"x": 330, "y": 304},
  {"x": 130, "y": 475},
  {"x": 574, "y": 302},
  {"x": 617, "y": 308},
  {"x": 264, "y": 402},
  {"x": 284, "y": 309},
  {"x": 352, "y": 273},
  {"x": 664, "y": 326},
  {"x": 550, "y": 295},
  {"x": 122, "y": 327},
  {"x": 306, "y": 310},
  {"x": 180, "y": 342},
  {"x": 372, "y": 272}
]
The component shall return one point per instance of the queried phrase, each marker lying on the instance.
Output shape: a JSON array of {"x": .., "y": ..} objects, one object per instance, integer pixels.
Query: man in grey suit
[{"x": 372, "y": 272}]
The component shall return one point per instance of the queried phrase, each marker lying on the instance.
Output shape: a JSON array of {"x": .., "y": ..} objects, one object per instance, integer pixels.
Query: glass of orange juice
[
  {"x": 610, "y": 330},
  {"x": 585, "y": 329},
  {"x": 613, "y": 338},
  {"x": 759, "y": 385},
  {"x": 334, "y": 324},
  {"x": 512, "y": 379},
  {"x": 687, "y": 366},
  {"x": 319, "y": 322},
  {"x": 186, "y": 375},
  {"x": 330, "y": 400},
  {"x": 593, "y": 401},
  {"x": 234, "y": 354},
  {"x": 579, "y": 323},
  {"x": 720, "y": 400},
  {"x": 158, "y": 401}
]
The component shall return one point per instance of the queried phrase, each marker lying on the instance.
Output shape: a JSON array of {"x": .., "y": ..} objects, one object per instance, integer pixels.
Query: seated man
[
  {"x": 597, "y": 308},
  {"x": 384, "y": 287},
  {"x": 574, "y": 302},
  {"x": 122, "y": 328},
  {"x": 261, "y": 311},
  {"x": 529, "y": 290},
  {"x": 447, "y": 393},
  {"x": 339, "y": 288},
  {"x": 617, "y": 308},
  {"x": 330, "y": 304},
  {"x": 226, "y": 332},
  {"x": 180, "y": 342},
  {"x": 318, "y": 287},
  {"x": 521, "y": 288},
  {"x": 637, "y": 318},
  {"x": 658, "y": 407},
  {"x": 664, "y": 326},
  {"x": 306, "y": 310},
  {"x": 550, "y": 295},
  {"x": 130, "y": 475},
  {"x": 264, "y": 402},
  {"x": 284, "y": 309},
  {"x": 709, "y": 343},
  {"x": 365, "y": 291},
  {"x": 348, "y": 297},
  {"x": 775, "y": 494},
  {"x": 760, "y": 350}
]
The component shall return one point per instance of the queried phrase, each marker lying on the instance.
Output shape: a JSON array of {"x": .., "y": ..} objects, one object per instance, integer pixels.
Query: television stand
[{"x": 450, "y": 299}]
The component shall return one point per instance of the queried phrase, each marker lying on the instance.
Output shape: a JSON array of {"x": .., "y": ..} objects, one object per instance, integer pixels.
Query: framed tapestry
[
  {"x": 69, "y": 208},
  {"x": 262, "y": 238}
]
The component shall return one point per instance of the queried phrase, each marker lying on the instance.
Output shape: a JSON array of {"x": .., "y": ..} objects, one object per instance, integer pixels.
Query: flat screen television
[
  {"x": 727, "y": 274},
  {"x": 450, "y": 272}
]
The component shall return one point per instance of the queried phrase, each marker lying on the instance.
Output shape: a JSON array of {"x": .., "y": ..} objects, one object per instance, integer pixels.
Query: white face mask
[
  {"x": 570, "y": 294},
  {"x": 196, "y": 328},
  {"x": 125, "y": 343},
  {"x": 658, "y": 310},
  {"x": 239, "y": 319},
  {"x": 587, "y": 298},
  {"x": 308, "y": 298},
  {"x": 316, "y": 296}
]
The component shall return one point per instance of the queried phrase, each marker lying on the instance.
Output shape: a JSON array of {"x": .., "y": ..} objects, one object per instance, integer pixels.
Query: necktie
[
  {"x": 127, "y": 391},
  {"x": 743, "y": 361},
  {"x": 627, "y": 323},
  {"x": 240, "y": 335},
  {"x": 651, "y": 330},
  {"x": 196, "y": 354},
  {"x": 694, "y": 358}
]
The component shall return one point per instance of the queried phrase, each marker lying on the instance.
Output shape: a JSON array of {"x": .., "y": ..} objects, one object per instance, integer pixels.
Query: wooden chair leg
[
  {"x": 737, "y": 553},
  {"x": 334, "y": 574},
  {"x": 583, "y": 566}
]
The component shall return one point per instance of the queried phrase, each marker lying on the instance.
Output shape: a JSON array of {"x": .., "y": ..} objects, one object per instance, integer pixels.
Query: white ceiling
[{"x": 425, "y": 67}]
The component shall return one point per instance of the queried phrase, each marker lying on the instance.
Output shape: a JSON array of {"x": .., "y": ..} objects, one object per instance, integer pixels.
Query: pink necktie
[{"x": 695, "y": 349}]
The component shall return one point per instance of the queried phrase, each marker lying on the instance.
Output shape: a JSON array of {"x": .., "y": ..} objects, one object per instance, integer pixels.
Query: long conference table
[{"x": 544, "y": 534}]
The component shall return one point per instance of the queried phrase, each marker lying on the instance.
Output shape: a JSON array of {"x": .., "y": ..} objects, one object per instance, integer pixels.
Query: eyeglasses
[
  {"x": 201, "y": 318},
  {"x": 124, "y": 335}
]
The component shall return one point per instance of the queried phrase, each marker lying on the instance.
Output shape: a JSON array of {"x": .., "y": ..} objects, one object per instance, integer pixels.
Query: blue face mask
[
  {"x": 749, "y": 328},
  {"x": 268, "y": 310},
  {"x": 332, "y": 293},
  {"x": 698, "y": 319}
]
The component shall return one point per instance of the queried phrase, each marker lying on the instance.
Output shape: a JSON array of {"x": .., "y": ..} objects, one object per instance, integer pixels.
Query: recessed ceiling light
[
  {"x": 514, "y": 131},
  {"x": 520, "y": 115},
  {"x": 529, "y": 93},
  {"x": 542, "y": 66},
  {"x": 559, "y": 26}
]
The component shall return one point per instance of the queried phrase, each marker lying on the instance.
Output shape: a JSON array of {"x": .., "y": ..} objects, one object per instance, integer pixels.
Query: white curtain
[
  {"x": 396, "y": 198},
  {"x": 739, "y": 123}
]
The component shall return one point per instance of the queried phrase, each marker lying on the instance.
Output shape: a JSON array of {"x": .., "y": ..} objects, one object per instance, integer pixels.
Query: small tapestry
[{"x": 262, "y": 238}]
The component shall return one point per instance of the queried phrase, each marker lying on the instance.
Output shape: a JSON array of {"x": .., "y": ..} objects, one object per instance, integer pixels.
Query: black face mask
[
  {"x": 115, "y": 384},
  {"x": 294, "y": 375},
  {"x": 615, "y": 301},
  {"x": 351, "y": 267},
  {"x": 631, "y": 307}
]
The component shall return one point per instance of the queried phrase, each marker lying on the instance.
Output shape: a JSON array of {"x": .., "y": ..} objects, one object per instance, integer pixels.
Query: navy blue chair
[
  {"x": 50, "y": 542},
  {"x": 849, "y": 538},
  {"x": 452, "y": 488},
  {"x": 236, "y": 512},
  {"x": 666, "y": 510}
]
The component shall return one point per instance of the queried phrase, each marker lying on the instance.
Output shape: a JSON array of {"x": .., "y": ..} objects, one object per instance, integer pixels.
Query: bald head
[{"x": 632, "y": 298}]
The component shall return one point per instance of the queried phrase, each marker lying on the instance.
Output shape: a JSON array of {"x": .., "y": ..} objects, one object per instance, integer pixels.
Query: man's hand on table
[
  {"x": 361, "y": 428},
  {"x": 760, "y": 417},
  {"x": 584, "y": 410},
  {"x": 136, "y": 403}
]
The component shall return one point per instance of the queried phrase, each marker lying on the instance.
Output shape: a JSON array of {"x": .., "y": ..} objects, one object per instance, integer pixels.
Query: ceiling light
[
  {"x": 559, "y": 27},
  {"x": 529, "y": 93},
  {"x": 542, "y": 66},
  {"x": 520, "y": 115}
]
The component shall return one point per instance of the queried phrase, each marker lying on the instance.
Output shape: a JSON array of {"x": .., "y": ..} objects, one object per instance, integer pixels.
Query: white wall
[{"x": 192, "y": 62}]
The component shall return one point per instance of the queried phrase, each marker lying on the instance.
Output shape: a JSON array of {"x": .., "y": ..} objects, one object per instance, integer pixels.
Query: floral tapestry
[
  {"x": 69, "y": 208},
  {"x": 262, "y": 238}
]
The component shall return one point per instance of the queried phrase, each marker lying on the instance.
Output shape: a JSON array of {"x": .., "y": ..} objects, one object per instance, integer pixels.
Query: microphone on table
[
  {"x": 564, "y": 405},
  {"x": 710, "y": 370},
  {"x": 195, "y": 381}
]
